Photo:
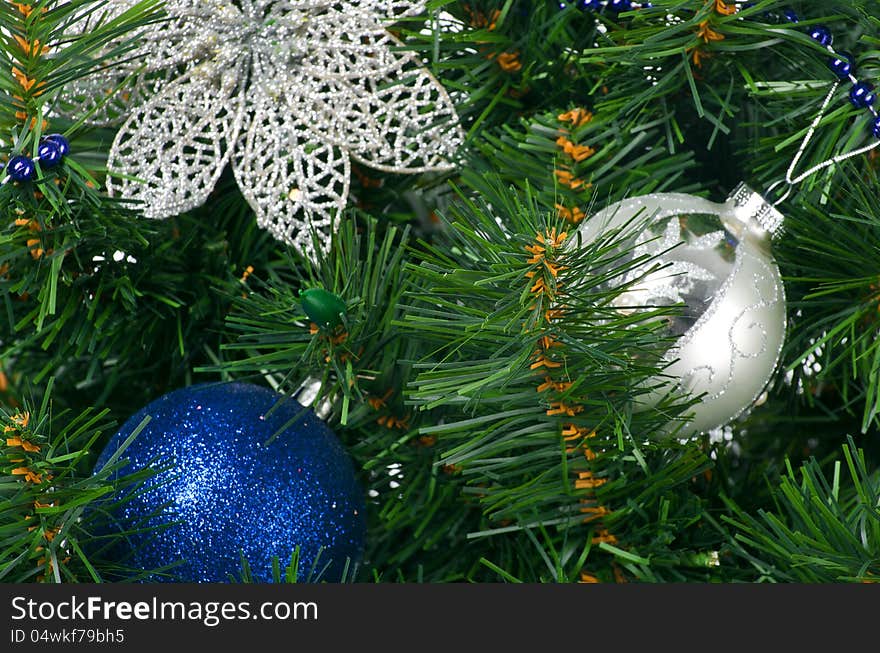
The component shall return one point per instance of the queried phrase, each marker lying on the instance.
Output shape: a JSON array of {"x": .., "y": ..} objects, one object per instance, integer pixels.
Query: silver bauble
[{"x": 715, "y": 259}]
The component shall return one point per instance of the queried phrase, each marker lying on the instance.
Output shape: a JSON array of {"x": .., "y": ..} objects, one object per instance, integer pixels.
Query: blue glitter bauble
[{"x": 232, "y": 491}]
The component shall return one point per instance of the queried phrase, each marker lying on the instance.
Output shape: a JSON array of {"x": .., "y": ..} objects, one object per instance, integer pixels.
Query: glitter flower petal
[
  {"x": 154, "y": 58},
  {"x": 283, "y": 169},
  {"x": 391, "y": 8},
  {"x": 171, "y": 151},
  {"x": 361, "y": 105}
]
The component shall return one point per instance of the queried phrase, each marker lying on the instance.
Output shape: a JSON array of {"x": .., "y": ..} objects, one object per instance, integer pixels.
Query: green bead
[{"x": 323, "y": 308}]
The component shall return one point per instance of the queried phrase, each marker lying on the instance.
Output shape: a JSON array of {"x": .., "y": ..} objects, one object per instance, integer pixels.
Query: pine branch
[
  {"x": 53, "y": 523},
  {"x": 829, "y": 251},
  {"x": 475, "y": 296},
  {"x": 823, "y": 529},
  {"x": 356, "y": 358},
  {"x": 45, "y": 48}
]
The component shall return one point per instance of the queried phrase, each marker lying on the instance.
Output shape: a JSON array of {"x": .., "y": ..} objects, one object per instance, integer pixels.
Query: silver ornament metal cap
[{"x": 753, "y": 211}]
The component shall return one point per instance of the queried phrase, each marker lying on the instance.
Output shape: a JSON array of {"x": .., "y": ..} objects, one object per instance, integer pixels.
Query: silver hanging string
[{"x": 790, "y": 179}]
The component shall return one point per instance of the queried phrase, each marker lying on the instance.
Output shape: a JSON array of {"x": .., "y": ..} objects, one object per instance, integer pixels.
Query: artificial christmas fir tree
[{"x": 480, "y": 241}]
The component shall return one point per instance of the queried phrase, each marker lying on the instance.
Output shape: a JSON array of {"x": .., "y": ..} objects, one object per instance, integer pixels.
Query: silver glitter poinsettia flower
[{"x": 288, "y": 93}]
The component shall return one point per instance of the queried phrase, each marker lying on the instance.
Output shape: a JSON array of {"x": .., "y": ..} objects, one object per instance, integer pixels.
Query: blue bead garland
[
  {"x": 841, "y": 65},
  {"x": 50, "y": 153},
  {"x": 821, "y": 35},
  {"x": 618, "y": 6},
  {"x": 61, "y": 141},
  {"x": 613, "y": 6},
  {"x": 21, "y": 168},
  {"x": 861, "y": 94}
]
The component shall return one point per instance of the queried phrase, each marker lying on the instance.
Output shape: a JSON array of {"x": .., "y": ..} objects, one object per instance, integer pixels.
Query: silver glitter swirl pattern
[
  {"x": 230, "y": 491},
  {"x": 748, "y": 334},
  {"x": 289, "y": 92}
]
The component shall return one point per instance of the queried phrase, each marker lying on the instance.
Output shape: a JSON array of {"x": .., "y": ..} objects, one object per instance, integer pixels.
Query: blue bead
[
  {"x": 862, "y": 95},
  {"x": 791, "y": 16},
  {"x": 618, "y": 6},
  {"x": 820, "y": 34},
  {"x": 842, "y": 65},
  {"x": 876, "y": 127},
  {"x": 49, "y": 153},
  {"x": 61, "y": 141},
  {"x": 21, "y": 168},
  {"x": 240, "y": 477}
]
